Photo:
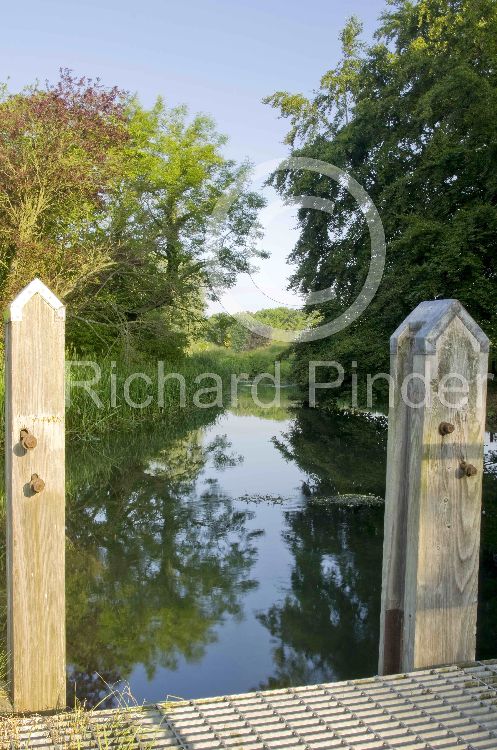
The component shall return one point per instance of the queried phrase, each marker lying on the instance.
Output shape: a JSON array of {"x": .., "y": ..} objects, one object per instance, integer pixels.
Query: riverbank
[
  {"x": 127, "y": 395},
  {"x": 106, "y": 395}
]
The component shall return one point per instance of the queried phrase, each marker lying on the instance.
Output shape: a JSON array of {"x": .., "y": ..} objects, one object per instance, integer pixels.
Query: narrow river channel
[{"x": 239, "y": 552}]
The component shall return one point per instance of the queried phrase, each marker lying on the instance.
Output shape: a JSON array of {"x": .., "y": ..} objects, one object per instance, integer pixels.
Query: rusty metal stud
[
  {"x": 27, "y": 439},
  {"x": 445, "y": 428},
  {"x": 37, "y": 484},
  {"x": 468, "y": 469}
]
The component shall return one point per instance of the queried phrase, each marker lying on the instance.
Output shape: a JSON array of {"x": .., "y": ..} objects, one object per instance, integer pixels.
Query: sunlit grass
[
  {"x": 82, "y": 729},
  {"x": 254, "y": 362},
  {"x": 118, "y": 728},
  {"x": 86, "y": 417},
  {"x": 90, "y": 416}
]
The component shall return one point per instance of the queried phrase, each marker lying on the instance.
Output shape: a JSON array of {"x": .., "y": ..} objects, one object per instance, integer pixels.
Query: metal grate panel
[{"x": 451, "y": 708}]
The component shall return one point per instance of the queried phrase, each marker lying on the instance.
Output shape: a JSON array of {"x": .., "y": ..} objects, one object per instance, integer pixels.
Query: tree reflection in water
[
  {"x": 328, "y": 623},
  {"x": 327, "y": 626},
  {"x": 341, "y": 452},
  {"x": 152, "y": 567}
]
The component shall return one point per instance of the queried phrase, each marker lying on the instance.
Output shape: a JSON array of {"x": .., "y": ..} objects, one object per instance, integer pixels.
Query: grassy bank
[
  {"x": 254, "y": 362},
  {"x": 128, "y": 395},
  {"x": 161, "y": 391},
  {"x": 106, "y": 395}
]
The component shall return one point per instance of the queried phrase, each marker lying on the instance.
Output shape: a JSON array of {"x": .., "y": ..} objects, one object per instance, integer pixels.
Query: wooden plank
[
  {"x": 35, "y": 520},
  {"x": 433, "y": 507},
  {"x": 392, "y": 592}
]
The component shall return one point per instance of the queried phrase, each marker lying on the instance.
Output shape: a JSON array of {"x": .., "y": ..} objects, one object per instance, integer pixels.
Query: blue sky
[{"x": 217, "y": 56}]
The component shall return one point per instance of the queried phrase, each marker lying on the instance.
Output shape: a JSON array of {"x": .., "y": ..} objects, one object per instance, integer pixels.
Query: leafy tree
[
  {"x": 419, "y": 133},
  {"x": 218, "y": 327},
  {"x": 57, "y": 160},
  {"x": 110, "y": 204},
  {"x": 174, "y": 174},
  {"x": 331, "y": 105}
]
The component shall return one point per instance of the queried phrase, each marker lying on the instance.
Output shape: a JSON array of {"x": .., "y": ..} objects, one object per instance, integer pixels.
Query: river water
[{"x": 238, "y": 552}]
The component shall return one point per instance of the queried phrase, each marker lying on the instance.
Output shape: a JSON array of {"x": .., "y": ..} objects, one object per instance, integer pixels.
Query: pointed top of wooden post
[
  {"x": 429, "y": 319},
  {"x": 14, "y": 310}
]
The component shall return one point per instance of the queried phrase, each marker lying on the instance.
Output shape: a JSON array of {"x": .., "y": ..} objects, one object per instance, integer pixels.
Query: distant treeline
[{"x": 237, "y": 332}]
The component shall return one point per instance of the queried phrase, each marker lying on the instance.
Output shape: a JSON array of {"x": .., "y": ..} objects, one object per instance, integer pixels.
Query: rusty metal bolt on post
[
  {"x": 445, "y": 428},
  {"x": 27, "y": 439},
  {"x": 37, "y": 484},
  {"x": 468, "y": 470}
]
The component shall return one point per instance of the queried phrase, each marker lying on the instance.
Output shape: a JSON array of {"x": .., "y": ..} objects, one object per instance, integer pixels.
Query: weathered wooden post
[
  {"x": 35, "y": 490},
  {"x": 439, "y": 359}
]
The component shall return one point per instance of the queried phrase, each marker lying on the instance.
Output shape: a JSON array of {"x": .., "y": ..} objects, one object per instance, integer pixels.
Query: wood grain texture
[
  {"x": 394, "y": 540},
  {"x": 432, "y": 515},
  {"x": 36, "y": 522}
]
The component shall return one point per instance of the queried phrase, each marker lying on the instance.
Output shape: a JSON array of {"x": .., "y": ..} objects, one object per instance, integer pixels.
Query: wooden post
[
  {"x": 35, "y": 490},
  {"x": 433, "y": 497}
]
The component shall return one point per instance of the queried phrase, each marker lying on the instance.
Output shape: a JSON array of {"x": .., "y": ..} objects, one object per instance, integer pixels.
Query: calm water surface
[{"x": 235, "y": 553}]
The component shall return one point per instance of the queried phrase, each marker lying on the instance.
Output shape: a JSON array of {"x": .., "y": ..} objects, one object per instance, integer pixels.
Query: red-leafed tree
[{"x": 58, "y": 161}]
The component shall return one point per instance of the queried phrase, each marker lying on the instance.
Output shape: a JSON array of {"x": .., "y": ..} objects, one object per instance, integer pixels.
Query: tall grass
[
  {"x": 91, "y": 414},
  {"x": 255, "y": 361}
]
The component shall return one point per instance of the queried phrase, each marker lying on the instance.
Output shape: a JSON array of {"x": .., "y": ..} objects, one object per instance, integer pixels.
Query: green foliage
[
  {"x": 286, "y": 318},
  {"x": 110, "y": 204},
  {"x": 174, "y": 173},
  {"x": 217, "y": 329},
  {"x": 253, "y": 362},
  {"x": 234, "y": 331},
  {"x": 331, "y": 105},
  {"x": 58, "y": 156},
  {"x": 420, "y": 136},
  {"x": 88, "y": 418}
]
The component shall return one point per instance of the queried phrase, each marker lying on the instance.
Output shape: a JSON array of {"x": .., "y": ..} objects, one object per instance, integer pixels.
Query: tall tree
[
  {"x": 421, "y": 138},
  {"x": 173, "y": 175}
]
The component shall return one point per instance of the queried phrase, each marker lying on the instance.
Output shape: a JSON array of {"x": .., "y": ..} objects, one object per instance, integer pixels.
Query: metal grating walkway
[{"x": 451, "y": 707}]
